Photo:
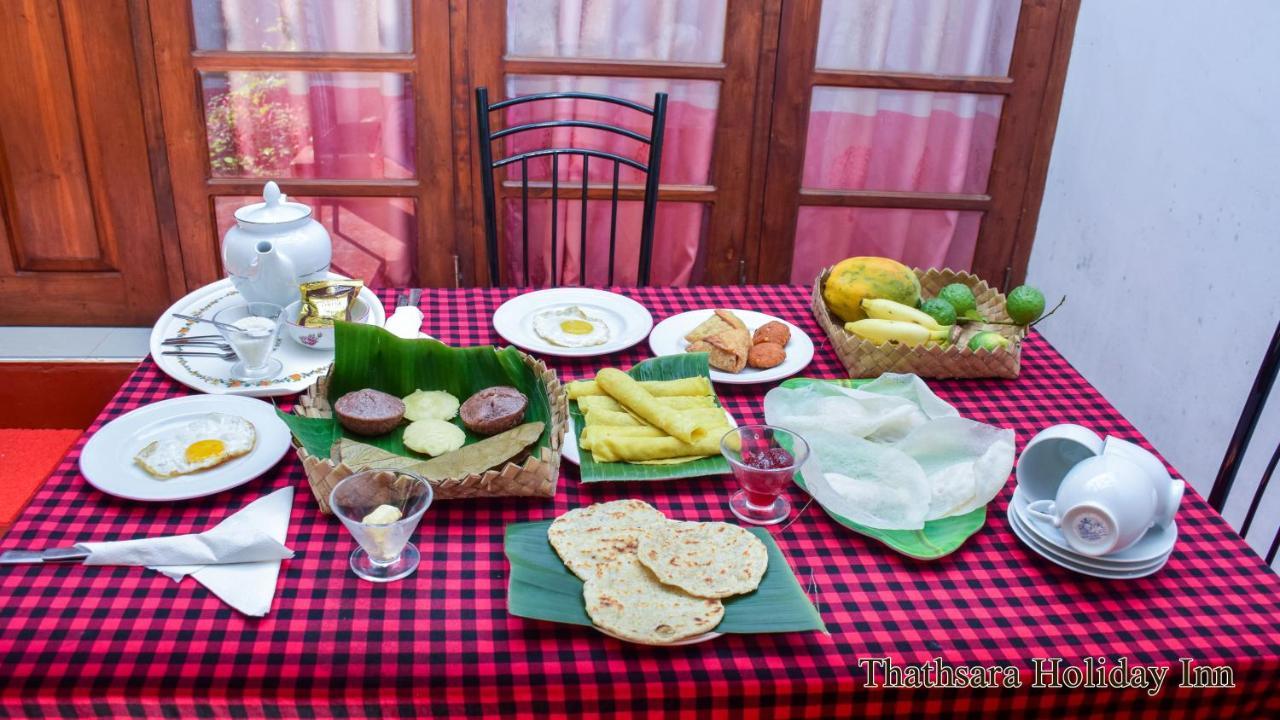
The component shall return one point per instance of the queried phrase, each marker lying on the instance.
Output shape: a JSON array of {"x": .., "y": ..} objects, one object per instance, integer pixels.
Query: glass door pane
[
  {"x": 353, "y": 26},
  {"x": 347, "y": 125},
  {"x": 896, "y": 140},
  {"x": 937, "y": 37},
  {"x": 671, "y": 31}
]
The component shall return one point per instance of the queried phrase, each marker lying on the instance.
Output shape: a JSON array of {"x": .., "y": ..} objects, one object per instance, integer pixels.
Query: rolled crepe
[
  {"x": 590, "y": 403},
  {"x": 635, "y": 398},
  {"x": 589, "y": 434},
  {"x": 656, "y": 388},
  {"x": 608, "y": 447},
  {"x": 622, "y": 418}
]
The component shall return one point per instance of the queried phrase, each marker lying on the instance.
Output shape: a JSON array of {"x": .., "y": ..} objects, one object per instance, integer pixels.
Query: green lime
[
  {"x": 939, "y": 310},
  {"x": 960, "y": 296},
  {"x": 988, "y": 340},
  {"x": 1024, "y": 304}
]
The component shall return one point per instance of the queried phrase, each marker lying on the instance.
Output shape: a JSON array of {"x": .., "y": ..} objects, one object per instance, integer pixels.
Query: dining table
[{"x": 78, "y": 640}]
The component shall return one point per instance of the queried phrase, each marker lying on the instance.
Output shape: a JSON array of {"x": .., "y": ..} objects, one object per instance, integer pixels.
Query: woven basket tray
[
  {"x": 536, "y": 476},
  {"x": 864, "y": 359}
]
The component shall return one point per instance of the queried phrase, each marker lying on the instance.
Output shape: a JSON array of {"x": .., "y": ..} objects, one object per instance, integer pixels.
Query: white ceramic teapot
[{"x": 274, "y": 247}]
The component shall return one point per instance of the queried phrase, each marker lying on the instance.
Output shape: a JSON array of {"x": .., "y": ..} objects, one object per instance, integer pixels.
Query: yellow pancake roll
[{"x": 638, "y": 400}]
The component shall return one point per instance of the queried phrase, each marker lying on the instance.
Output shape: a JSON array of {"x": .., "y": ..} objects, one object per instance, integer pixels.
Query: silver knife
[{"x": 41, "y": 557}]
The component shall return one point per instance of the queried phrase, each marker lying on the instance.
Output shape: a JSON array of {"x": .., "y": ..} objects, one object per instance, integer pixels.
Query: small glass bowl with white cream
[{"x": 251, "y": 329}]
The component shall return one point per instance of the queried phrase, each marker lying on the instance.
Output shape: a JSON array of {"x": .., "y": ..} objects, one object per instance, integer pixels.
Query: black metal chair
[
  {"x": 650, "y": 170},
  {"x": 1239, "y": 444}
]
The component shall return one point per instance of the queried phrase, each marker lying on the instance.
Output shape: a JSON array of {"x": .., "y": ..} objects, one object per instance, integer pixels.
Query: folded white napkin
[
  {"x": 238, "y": 560},
  {"x": 405, "y": 322}
]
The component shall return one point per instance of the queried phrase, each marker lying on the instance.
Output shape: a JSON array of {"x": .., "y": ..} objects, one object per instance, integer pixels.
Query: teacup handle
[{"x": 1046, "y": 512}]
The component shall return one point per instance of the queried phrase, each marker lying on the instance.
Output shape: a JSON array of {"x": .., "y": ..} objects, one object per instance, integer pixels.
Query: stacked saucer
[
  {"x": 1102, "y": 508},
  {"x": 1142, "y": 558}
]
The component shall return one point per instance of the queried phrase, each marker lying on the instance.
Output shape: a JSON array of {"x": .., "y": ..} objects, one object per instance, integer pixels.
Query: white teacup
[
  {"x": 1168, "y": 491},
  {"x": 1104, "y": 504},
  {"x": 1050, "y": 455}
]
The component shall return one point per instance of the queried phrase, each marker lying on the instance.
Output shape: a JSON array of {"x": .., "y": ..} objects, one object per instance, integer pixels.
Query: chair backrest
[
  {"x": 1240, "y": 441},
  {"x": 649, "y": 169}
]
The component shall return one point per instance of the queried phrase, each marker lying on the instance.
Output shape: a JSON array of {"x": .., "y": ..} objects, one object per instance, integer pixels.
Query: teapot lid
[{"x": 275, "y": 208}]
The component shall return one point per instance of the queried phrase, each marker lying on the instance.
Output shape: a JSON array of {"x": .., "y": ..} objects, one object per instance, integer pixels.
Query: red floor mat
[{"x": 26, "y": 458}]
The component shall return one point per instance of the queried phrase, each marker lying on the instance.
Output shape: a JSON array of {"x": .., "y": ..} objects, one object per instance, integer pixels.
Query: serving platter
[
  {"x": 629, "y": 322},
  {"x": 301, "y": 365},
  {"x": 667, "y": 338},
  {"x": 107, "y": 459},
  {"x": 938, "y": 538}
]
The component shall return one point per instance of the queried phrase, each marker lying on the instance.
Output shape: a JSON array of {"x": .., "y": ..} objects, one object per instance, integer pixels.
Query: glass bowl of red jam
[{"x": 764, "y": 460}]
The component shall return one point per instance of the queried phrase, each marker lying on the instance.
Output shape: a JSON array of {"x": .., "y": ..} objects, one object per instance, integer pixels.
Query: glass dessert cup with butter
[
  {"x": 382, "y": 508},
  {"x": 764, "y": 460},
  {"x": 255, "y": 340}
]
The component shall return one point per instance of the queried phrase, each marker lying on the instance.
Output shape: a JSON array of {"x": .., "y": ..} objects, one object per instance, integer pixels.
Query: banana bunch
[{"x": 888, "y": 321}]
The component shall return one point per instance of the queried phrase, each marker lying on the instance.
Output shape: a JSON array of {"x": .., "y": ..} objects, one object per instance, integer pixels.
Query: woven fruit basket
[
  {"x": 866, "y": 359},
  {"x": 532, "y": 475}
]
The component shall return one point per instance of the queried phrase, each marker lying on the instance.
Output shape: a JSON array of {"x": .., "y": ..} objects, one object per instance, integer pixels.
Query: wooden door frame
[
  {"x": 428, "y": 65},
  {"x": 740, "y": 75},
  {"x": 1032, "y": 94}
]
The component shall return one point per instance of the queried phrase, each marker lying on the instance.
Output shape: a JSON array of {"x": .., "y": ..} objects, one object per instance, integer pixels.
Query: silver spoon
[{"x": 224, "y": 326}]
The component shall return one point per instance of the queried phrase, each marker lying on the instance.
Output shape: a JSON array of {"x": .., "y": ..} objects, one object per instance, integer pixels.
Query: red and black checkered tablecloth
[{"x": 104, "y": 640}]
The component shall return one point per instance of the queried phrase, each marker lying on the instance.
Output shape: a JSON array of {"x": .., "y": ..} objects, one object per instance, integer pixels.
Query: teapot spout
[{"x": 277, "y": 279}]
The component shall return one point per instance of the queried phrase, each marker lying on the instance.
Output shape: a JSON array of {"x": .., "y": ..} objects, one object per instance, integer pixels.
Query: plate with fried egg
[
  {"x": 572, "y": 322},
  {"x": 185, "y": 448}
]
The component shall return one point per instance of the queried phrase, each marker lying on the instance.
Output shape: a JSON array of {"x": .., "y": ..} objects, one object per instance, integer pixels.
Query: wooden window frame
[
  {"x": 754, "y": 194},
  {"x": 195, "y": 189},
  {"x": 1032, "y": 93},
  {"x": 486, "y": 63}
]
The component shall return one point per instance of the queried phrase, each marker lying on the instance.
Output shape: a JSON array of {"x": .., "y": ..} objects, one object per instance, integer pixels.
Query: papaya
[{"x": 856, "y": 278}]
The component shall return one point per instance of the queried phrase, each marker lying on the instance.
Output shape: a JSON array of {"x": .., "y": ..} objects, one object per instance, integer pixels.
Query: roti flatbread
[
  {"x": 591, "y": 538},
  {"x": 629, "y": 602},
  {"x": 706, "y": 559}
]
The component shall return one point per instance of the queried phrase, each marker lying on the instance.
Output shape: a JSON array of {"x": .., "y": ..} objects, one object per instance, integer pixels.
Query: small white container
[{"x": 317, "y": 338}]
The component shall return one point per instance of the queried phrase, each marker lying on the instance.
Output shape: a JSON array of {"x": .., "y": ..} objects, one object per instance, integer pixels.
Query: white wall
[{"x": 1161, "y": 223}]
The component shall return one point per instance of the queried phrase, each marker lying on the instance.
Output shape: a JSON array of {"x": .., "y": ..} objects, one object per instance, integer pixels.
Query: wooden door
[
  {"x": 996, "y": 99},
  {"x": 78, "y": 221}
]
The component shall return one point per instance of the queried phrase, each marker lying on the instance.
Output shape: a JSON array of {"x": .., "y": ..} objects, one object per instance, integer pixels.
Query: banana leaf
[
  {"x": 542, "y": 588},
  {"x": 366, "y": 356},
  {"x": 666, "y": 367},
  {"x": 938, "y": 538}
]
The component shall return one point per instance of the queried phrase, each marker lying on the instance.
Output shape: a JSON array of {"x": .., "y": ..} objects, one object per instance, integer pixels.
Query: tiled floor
[{"x": 73, "y": 343}]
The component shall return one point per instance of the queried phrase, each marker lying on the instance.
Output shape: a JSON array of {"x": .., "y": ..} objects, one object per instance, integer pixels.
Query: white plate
[
  {"x": 629, "y": 322},
  {"x": 687, "y": 641},
  {"x": 1157, "y": 543},
  {"x": 212, "y": 375},
  {"x": 107, "y": 459},
  {"x": 569, "y": 448},
  {"x": 1044, "y": 551},
  {"x": 667, "y": 338}
]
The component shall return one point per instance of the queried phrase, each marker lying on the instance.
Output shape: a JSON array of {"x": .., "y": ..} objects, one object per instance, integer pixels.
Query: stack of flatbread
[
  {"x": 652, "y": 580},
  {"x": 725, "y": 338}
]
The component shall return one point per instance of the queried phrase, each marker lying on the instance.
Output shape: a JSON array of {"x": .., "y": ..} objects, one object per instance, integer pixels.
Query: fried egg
[
  {"x": 570, "y": 327},
  {"x": 200, "y": 444}
]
